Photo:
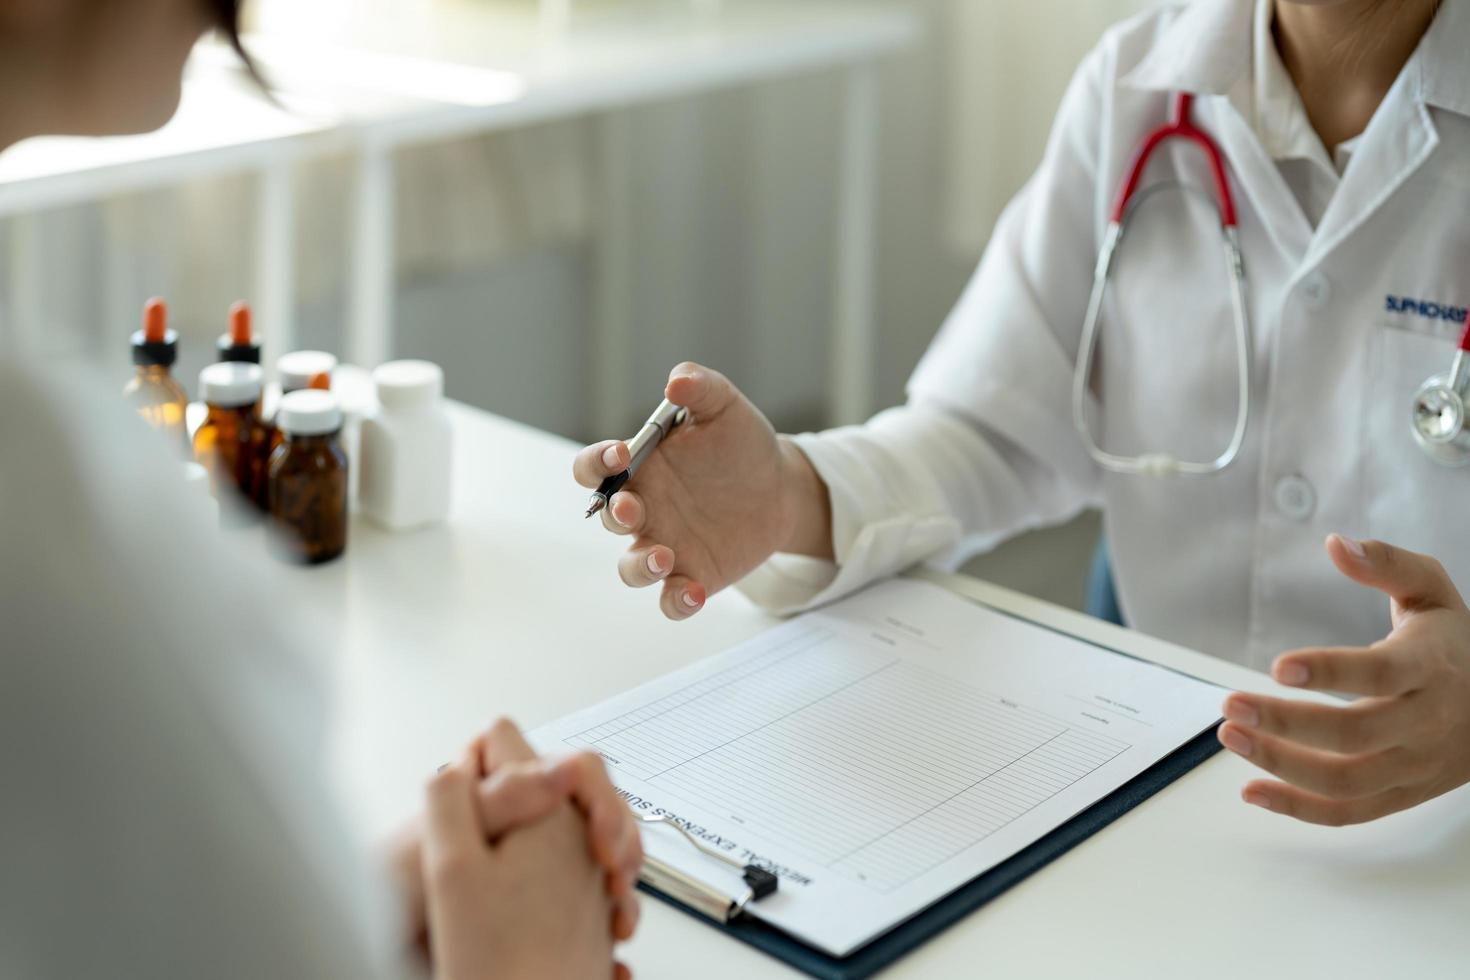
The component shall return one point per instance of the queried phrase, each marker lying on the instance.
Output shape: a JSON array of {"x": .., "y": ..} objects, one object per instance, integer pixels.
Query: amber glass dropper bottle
[{"x": 153, "y": 392}]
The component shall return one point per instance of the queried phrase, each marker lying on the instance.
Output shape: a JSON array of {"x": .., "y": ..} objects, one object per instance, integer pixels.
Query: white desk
[{"x": 515, "y": 608}]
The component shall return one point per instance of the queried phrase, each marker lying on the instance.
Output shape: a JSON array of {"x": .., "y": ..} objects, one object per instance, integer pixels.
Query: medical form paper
[{"x": 882, "y": 752}]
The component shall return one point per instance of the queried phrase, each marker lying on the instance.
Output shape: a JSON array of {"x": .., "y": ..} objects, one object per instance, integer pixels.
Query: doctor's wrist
[{"x": 806, "y": 505}]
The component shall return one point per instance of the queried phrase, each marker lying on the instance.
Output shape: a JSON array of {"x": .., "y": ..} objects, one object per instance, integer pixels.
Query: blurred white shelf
[
  {"x": 368, "y": 85},
  {"x": 221, "y": 126},
  {"x": 464, "y": 69},
  {"x": 484, "y": 71}
]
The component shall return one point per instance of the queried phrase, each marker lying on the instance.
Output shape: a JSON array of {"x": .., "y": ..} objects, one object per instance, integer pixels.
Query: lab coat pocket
[{"x": 1410, "y": 500}]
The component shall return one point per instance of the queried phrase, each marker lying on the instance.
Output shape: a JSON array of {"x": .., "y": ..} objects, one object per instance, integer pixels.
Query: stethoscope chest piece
[{"x": 1438, "y": 418}]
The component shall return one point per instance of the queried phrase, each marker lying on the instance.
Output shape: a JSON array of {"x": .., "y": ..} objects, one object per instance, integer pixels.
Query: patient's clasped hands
[{"x": 520, "y": 866}]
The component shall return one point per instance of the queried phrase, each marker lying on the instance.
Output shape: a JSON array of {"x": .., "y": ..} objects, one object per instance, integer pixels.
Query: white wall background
[{"x": 732, "y": 197}]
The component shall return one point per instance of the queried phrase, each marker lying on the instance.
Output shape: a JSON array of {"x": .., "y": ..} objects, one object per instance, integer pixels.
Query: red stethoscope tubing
[
  {"x": 1129, "y": 197},
  {"x": 1430, "y": 401},
  {"x": 1178, "y": 127}
]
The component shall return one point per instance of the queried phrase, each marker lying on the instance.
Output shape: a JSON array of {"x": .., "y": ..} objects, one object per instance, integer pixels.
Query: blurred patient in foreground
[{"x": 165, "y": 811}]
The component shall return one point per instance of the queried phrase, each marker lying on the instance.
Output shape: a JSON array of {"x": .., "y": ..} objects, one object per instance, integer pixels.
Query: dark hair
[{"x": 227, "y": 20}]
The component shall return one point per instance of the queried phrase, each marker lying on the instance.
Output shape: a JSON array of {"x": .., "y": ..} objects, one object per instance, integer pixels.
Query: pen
[{"x": 655, "y": 430}]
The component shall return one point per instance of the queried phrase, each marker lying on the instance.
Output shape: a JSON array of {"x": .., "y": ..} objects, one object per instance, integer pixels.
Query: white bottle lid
[
  {"x": 230, "y": 384},
  {"x": 297, "y": 368},
  {"x": 408, "y": 384},
  {"x": 308, "y": 413}
]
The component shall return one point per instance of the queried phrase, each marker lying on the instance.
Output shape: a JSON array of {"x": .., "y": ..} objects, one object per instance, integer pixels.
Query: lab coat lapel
[
  {"x": 1402, "y": 134},
  {"x": 1206, "y": 50},
  {"x": 1255, "y": 177},
  {"x": 1399, "y": 138}
]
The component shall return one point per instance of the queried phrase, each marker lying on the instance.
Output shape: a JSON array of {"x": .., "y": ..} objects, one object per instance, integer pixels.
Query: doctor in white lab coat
[{"x": 1345, "y": 127}]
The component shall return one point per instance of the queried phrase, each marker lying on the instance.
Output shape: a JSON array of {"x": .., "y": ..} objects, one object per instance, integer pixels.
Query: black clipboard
[{"x": 885, "y": 949}]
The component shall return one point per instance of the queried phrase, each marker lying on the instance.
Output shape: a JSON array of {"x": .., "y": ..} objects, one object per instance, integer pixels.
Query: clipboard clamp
[{"x": 759, "y": 881}]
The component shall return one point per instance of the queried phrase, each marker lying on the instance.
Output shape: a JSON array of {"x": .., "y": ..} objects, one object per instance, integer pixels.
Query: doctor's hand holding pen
[
  {"x": 523, "y": 862},
  {"x": 1405, "y": 740},
  {"x": 721, "y": 495}
]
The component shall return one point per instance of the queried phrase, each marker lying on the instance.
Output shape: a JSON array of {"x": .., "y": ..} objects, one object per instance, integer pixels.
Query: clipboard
[
  {"x": 725, "y": 912},
  {"x": 954, "y": 767}
]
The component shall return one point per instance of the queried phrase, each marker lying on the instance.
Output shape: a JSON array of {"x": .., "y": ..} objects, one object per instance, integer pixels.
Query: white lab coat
[{"x": 1348, "y": 318}]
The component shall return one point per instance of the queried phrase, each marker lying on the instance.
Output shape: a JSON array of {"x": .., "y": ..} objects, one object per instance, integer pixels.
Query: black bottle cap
[
  {"x": 161, "y": 352},
  {"x": 230, "y": 351}
]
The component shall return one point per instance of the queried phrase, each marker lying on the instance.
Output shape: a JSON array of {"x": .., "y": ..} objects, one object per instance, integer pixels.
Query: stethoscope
[
  {"x": 1439, "y": 410},
  {"x": 1124, "y": 207}
]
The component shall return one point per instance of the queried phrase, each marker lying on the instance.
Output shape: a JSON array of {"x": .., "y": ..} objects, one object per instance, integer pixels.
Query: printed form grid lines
[{"x": 865, "y": 792}]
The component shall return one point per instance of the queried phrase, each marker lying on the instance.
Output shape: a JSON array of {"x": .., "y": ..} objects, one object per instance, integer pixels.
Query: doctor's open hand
[
  {"x": 718, "y": 497},
  {"x": 1405, "y": 740}
]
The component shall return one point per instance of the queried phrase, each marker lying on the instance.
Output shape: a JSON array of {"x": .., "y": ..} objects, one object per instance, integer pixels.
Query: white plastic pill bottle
[{"x": 406, "y": 448}]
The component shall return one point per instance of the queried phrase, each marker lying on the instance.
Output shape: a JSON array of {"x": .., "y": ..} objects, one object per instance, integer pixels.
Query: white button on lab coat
[
  {"x": 1295, "y": 498},
  {"x": 1315, "y": 291},
  {"x": 1348, "y": 317}
]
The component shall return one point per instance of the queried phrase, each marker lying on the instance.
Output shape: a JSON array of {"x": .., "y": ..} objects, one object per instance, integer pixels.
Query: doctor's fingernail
[
  {"x": 1292, "y": 673},
  {"x": 1353, "y": 546},
  {"x": 610, "y": 457},
  {"x": 656, "y": 563},
  {"x": 1242, "y": 713},
  {"x": 1255, "y": 798},
  {"x": 689, "y": 600},
  {"x": 1235, "y": 741}
]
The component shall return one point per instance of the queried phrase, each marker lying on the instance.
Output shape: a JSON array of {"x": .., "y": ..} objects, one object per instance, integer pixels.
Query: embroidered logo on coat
[{"x": 1418, "y": 307}]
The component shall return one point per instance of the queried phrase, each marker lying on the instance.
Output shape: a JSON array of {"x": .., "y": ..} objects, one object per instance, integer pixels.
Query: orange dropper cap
[
  {"x": 155, "y": 344},
  {"x": 239, "y": 344},
  {"x": 240, "y": 323},
  {"x": 155, "y": 321},
  {"x": 321, "y": 381}
]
